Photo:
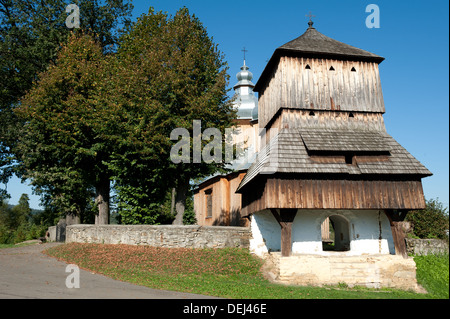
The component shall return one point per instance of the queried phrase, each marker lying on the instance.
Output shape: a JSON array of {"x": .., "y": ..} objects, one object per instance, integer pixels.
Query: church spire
[
  {"x": 310, "y": 22},
  {"x": 246, "y": 101},
  {"x": 243, "y": 50}
]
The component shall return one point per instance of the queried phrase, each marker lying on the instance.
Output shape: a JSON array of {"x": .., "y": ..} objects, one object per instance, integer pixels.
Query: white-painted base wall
[{"x": 366, "y": 231}]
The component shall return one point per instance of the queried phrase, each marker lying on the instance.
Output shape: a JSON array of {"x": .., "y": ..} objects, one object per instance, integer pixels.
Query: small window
[
  {"x": 351, "y": 115},
  {"x": 308, "y": 67},
  {"x": 208, "y": 194},
  {"x": 312, "y": 113},
  {"x": 349, "y": 159},
  {"x": 353, "y": 69},
  {"x": 331, "y": 68}
]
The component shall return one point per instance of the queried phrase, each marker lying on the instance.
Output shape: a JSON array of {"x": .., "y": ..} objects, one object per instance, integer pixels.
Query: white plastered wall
[{"x": 369, "y": 232}]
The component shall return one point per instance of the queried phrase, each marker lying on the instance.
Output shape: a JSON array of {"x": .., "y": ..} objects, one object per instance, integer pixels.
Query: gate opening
[{"x": 335, "y": 234}]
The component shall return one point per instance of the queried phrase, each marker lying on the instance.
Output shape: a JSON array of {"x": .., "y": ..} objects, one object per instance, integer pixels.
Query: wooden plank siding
[
  {"x": 294, "y": 118},
  {"x": 279, "y": 192},
  {"x": 292, "y": 86},
  {"x": 217, "y": 203}
]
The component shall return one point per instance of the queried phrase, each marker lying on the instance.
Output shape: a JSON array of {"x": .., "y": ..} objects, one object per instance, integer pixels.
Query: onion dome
[{"x": 246, "y": 101}]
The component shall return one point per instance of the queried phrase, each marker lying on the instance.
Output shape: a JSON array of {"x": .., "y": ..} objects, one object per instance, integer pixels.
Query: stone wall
[
  {"x": 426, "y": 246},
  {"x": 51, "y": 234},
  {"x": 161, "y": 235}
]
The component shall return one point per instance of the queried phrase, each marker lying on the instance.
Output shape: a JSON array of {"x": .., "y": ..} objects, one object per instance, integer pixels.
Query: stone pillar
[{"x": 61, "y": 230}]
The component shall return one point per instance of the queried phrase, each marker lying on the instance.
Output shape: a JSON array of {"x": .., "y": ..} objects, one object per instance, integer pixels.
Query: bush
[
  {"x": 189, "y": 217},
  {"x": 20, "y": 234},
  {"x": 17, "y": 224},
  {"x": 36, "y": 231},
  {"x": 5, "y": 235},
  {"x": 431, "y": 222}
]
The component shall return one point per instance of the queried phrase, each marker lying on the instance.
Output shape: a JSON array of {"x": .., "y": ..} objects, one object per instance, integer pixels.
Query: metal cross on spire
[
  {"x": 243, "y": 50},
  {"x": 310, "y": 23}
]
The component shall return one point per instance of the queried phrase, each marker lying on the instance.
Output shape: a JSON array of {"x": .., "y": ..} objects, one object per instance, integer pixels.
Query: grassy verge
[
  {"x": 6, "y": 246},
  {"x": 229, "y": 273},
  {"x": 16, "y": 245},
  {"x": 433, "y": 274}
]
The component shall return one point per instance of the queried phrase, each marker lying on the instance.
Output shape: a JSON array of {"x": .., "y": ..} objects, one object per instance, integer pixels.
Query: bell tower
[{"x": 327, "y": 152}]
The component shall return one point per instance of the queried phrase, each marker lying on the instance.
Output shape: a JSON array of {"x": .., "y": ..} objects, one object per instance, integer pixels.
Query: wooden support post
[
  {"x": 285, "y": 218},
  {"x": 398, "y": 233}
]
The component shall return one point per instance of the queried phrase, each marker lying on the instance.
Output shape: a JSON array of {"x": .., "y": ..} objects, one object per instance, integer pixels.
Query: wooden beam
[
  {"x": 398, "y": 233},
  {"x": 226, "y": 200},
  {"x": 285, "y": 218},
  {"x": 308, "y": 192}
]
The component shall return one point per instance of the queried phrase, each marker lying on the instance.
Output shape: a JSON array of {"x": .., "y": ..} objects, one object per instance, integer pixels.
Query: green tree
[
  {"x": 70, "y": 127},
  {"x": 4, "y": 214},
  {"x": 178, "y": 76},
  {"x": 12, "y": 218},
  {"x": 31, "y": 33},
  {"x": 21, "y": 212},
  {"x": 431, "y": 222},
  {"x": 103, "y": 21}
]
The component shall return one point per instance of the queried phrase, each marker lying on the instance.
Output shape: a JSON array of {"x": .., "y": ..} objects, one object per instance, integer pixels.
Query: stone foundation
[{"x": 374, "y": 271}]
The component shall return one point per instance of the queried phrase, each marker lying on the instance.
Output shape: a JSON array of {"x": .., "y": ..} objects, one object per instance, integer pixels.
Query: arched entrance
[{"x": 338, "y": 238}]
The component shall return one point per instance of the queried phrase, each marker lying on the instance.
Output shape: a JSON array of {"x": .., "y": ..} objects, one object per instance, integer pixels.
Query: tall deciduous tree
[
  {"x": 31, "y": 33},
  {"x": 70, "y": 126},
  {"x": 179, "y": 75}
]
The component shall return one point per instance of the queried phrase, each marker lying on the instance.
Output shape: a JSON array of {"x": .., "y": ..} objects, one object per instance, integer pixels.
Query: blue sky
[{"x": 413, "y": 37}]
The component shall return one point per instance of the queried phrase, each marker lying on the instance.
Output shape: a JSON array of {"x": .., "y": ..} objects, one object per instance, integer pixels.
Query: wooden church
[
  {"x": 327, "y": 153},
  {"x": 325, "y": 158},
  {"x": 216, "y": 202}
]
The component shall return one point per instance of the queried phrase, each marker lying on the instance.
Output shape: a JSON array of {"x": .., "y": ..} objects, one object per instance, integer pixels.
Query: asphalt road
[{"x": 25, "y": 272}]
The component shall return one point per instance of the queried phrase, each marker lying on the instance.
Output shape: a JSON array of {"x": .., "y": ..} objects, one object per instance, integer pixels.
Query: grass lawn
[
  {"x": 433, "y": 274},
  {"x": 229, "y": 273},
  {"x": 16, "y": 245},
  {"x": 6, "y": 246}
]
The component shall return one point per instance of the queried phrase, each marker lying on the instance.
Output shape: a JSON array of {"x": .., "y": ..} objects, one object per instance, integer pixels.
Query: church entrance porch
[
  {"x": 363, "y": 251},
  {"x": 356, "y": 232}
]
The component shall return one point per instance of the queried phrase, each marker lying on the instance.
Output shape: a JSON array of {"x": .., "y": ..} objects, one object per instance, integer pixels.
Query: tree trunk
[
  {"x": 180, "y": 200},
  {"x": 73, "y": 219},
  {"x": 172, "y": 203},
  {"x": 102, "y": 201}
]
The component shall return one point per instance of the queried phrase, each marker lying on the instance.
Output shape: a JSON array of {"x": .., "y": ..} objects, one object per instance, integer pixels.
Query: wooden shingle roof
[
  {"x": 288, "y": 153},
  {"x": 344, "y": 140},
  {"x": 314, "y": 42}
]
